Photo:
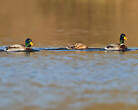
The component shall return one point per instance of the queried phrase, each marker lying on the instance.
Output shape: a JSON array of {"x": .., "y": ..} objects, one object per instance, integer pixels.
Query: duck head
[
  {"x": 122, "y": 38},
  {"x": 28, "y": 42}
]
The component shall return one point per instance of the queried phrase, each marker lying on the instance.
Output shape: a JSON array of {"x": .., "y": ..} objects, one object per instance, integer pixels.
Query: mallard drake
[
  {"x": 21, "y": 47},
  {"x": 78, "y": 46},
  {"x": 118, "y": 47}
]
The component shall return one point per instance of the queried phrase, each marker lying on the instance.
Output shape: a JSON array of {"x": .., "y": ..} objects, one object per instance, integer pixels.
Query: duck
[
  {"x": 119, "y": 46},
  {"x": 77, "y": 46},
  {"x": 20, "y": 47}
]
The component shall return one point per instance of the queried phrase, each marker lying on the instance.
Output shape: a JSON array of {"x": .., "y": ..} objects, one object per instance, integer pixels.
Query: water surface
[{"x": 68, "y": 80}]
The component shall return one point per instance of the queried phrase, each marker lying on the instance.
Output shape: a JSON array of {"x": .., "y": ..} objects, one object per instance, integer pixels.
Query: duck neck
[
  {"x": 121, "y": 41},
  {"x": 27, "y": 45}
]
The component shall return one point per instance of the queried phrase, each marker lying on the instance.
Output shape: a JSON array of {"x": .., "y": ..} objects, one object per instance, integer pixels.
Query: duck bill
[
  {"x": 31, "y": 43},
  {"x": 125, "y": 38}
]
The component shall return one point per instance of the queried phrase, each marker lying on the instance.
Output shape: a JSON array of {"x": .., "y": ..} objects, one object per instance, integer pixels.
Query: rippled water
[{"x": 68, "y": 80}]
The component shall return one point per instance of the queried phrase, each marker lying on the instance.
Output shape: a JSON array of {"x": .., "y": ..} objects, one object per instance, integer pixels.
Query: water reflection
[{"x": 68, "y": 80}]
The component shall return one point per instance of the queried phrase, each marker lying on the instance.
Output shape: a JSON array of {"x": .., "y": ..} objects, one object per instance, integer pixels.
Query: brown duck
[{"x": 78, "y": 46}]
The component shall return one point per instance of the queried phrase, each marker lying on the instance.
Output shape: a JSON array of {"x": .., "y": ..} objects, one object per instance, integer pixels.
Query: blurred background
[{"x": 61, "y": 22}]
